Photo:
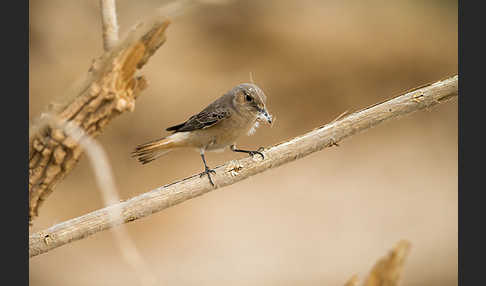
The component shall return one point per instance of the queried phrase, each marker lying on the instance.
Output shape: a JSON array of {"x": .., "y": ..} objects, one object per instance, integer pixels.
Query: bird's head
[{"x": 250, "y": 99}]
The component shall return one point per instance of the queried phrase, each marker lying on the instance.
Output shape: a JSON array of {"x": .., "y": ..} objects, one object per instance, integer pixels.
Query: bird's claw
[
  {"x": 253, "y": 153},
  {"x": 208, "y": 172}
]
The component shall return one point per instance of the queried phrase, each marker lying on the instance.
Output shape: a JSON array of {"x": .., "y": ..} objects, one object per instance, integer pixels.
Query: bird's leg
[
  {"x": 251, "y": 153},
  {"x": 207, "y": 170}
]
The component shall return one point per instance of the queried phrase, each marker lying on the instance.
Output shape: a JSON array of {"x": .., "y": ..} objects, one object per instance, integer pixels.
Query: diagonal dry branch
[
  {"x": 109, "y": 89},
  {"x": 234, "y": 171}
]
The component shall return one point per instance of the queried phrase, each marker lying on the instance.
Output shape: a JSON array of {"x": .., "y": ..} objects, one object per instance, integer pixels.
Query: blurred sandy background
[{"x": 316, "y": 221}]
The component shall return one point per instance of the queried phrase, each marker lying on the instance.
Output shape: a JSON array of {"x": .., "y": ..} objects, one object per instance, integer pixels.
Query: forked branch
[
  {"x": 234, "y": 171},
  {"x": 110, "y": 88}
]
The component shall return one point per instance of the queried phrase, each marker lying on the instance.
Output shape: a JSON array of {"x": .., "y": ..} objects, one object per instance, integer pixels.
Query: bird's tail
[{"x": 147, "y": 152}]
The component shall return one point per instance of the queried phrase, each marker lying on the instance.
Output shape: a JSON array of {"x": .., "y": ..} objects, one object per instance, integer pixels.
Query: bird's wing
[{"x": 204, "y": 119}]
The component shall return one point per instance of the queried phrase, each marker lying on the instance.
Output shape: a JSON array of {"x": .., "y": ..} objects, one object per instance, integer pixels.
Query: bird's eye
[{"x": 248, "y": 98}]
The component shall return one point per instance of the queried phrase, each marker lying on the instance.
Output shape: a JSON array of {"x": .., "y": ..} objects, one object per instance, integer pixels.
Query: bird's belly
[
  {"x": 222, "y": 136},
  {"x": 222, "y": 140}
]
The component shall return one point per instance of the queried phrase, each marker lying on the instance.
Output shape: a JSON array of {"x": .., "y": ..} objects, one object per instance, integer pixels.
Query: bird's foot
[
  {"x": 259, "y": 152},
  {"x": 208, "y": 172},
  {"x": 251, "y": 153}
]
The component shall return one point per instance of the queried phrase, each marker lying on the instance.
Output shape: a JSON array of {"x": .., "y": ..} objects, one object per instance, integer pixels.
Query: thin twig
[
  {"x": 234, "y": 171},
  {"x": 110, "y": 24},
  {"x": 340, "y": 116}
]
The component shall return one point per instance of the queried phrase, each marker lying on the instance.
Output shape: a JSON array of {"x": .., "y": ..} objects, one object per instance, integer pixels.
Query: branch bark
[
  {"x": 234, "y": 171},
  {"x": 109, "y": 23},
  {"x": 109, "y": 89}
]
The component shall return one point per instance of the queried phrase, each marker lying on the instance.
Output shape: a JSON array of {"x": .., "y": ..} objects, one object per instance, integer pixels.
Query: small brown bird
[{"x": 214, "y": 128}]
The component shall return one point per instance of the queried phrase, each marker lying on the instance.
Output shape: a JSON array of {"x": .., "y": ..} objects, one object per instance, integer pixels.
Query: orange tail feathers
[{"x": 152, "y": 150}]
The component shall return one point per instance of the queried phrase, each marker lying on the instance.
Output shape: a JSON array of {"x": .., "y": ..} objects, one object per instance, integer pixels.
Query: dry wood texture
[
  {"x": 234, "y": 171},
  {"x": 110, "y": 88},
  {"x": 388, "y": 270}
]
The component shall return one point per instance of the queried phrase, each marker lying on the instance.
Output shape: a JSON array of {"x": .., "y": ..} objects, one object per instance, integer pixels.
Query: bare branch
[
  {"x": 110, "y": 88},
  {"x": 234, "y": 171},
  {"x": 110, "y": 24}
]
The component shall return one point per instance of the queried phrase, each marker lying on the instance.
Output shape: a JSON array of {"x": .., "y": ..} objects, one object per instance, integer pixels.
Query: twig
[
  {"x": 234, "y": 171},
  {"x": 109, "y": 22},
  {"x": 110, "y": 88},
  {"x": 339, "y": 117}
]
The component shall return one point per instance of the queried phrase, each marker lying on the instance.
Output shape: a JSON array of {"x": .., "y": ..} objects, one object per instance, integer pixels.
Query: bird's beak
[{"x": 264, "y": 113}]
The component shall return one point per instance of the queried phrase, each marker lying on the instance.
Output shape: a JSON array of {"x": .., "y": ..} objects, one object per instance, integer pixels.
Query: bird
[{"x": 217, "y": 127}]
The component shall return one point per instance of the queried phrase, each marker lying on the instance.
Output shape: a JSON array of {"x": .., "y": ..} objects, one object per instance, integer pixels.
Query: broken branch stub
[
  {"x": 110, "y": 88},
  {"x": 388, "y": 270}
]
